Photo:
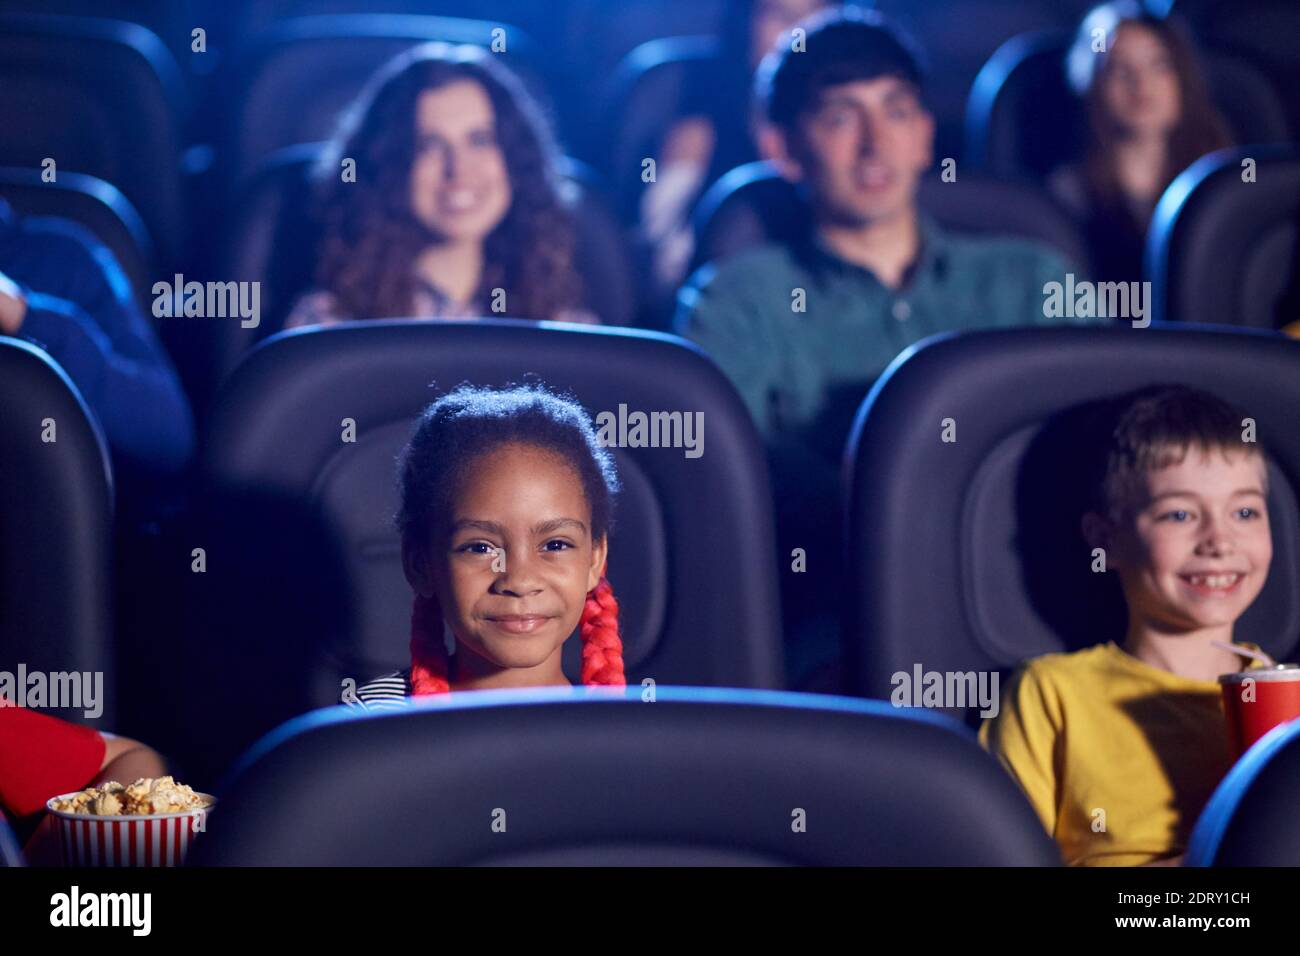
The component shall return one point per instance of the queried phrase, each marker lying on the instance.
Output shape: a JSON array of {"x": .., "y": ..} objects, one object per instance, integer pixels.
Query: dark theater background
[{"x": 650, "y": 433}]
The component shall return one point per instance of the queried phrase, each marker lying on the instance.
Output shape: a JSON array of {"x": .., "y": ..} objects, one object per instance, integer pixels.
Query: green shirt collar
[{"x": 931, "y": 264}]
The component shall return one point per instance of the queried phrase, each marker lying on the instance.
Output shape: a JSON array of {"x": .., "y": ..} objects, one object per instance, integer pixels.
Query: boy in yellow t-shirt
[{"x": 1118, "y": 747}]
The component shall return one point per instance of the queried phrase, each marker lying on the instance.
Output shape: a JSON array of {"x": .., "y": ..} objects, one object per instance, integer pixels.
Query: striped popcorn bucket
[{"x": 160, "y": 839}]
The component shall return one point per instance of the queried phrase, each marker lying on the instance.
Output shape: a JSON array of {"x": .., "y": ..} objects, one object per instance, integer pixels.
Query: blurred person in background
[
  {"x": 62, "y": 290},
  {"x": 458, "y": 209},
  {"x": 1149, "y": 116},
  {"x": 804, "y": 327},
  {"x": 713, "y": 132}
]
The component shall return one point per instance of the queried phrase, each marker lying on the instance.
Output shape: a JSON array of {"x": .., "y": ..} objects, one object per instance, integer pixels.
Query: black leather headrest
[
  {"x": 1022, "y": 118},
  {"x": 1250, "y": 820},
  {"x": 100, "y": 97},
  {"x": 574, "y": 777},
  {"x": 56, "y": 520},
  {"x": 1226, "y": 250}
]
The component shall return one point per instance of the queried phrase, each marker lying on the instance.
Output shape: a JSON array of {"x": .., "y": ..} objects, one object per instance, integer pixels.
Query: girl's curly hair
[
  {"x": 370, "y": 235},
  {"x": 451, "y": 434}
]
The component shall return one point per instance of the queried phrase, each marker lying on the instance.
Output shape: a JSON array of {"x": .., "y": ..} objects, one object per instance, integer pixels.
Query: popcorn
[
  {"x": 148, "y": 795},
  {"x": 106, "y": 805}
]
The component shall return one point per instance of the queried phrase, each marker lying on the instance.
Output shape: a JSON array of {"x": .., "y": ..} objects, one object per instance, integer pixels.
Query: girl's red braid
[
  {"x": 602, "y": 648},
  {"x": 428, "y": 651}
]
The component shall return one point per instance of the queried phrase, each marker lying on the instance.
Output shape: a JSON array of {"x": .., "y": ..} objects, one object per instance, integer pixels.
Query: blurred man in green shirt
[{"x": 803, "y": 328}]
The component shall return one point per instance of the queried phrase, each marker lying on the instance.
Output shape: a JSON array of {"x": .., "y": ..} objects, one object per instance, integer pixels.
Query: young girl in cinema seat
[
  {"x": 506, "y": 501},
  {"x": 457, "y": 210}
]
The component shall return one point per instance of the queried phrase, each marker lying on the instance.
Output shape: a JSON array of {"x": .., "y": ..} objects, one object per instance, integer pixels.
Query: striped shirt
[
  {"x": 321, "y": 307},
  {"x": 389, "y": 692}
]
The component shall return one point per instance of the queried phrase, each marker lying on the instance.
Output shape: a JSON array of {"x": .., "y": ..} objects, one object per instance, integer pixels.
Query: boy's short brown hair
[{"x": 1155, "y": 428}]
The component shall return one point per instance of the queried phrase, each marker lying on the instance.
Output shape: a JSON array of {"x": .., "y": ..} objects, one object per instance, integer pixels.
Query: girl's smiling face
[{"x": 513, "y": 568}]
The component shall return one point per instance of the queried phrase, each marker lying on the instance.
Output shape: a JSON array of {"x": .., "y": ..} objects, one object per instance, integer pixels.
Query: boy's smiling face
[
  {"x": 1195, "y": 551},
  {"x": 518, "y": 562}
]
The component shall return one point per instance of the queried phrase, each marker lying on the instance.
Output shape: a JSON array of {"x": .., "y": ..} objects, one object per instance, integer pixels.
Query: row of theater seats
[
  {"x": 959, "y": 554},
  {"x": 1221, "y": 249},
  {"x": 702, "y": 778},
  {"x": 106, "y": 98},
  {"x": 270, "y": 70},
  {"x": 582, "y": 44},
  {"x": 600, "y": 36},
  {"x": 686, "y": 778},
  {"x": 1021, "y": 118},
  {"x": 286, "y": 85}
]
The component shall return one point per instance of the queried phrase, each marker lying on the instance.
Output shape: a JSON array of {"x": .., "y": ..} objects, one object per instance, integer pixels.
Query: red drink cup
[{"x": 1252, "y": 709}]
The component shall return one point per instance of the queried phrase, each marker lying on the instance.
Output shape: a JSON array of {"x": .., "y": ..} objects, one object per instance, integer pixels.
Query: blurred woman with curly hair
[{"x": 457, "y": 209}]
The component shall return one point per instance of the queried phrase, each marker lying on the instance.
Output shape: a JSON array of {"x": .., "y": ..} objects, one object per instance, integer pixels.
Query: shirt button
[{"x": 901, "y": 310}]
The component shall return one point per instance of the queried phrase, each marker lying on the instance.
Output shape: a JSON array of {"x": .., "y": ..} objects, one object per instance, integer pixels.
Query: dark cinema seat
[
  {"x": 576, "y": 777},
  {"x": 99, "y": 97},
  {"x": 1250, "y": 820},
  {"x": 56, "y": 527},
  {"x": 1224, "y": 249}
]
